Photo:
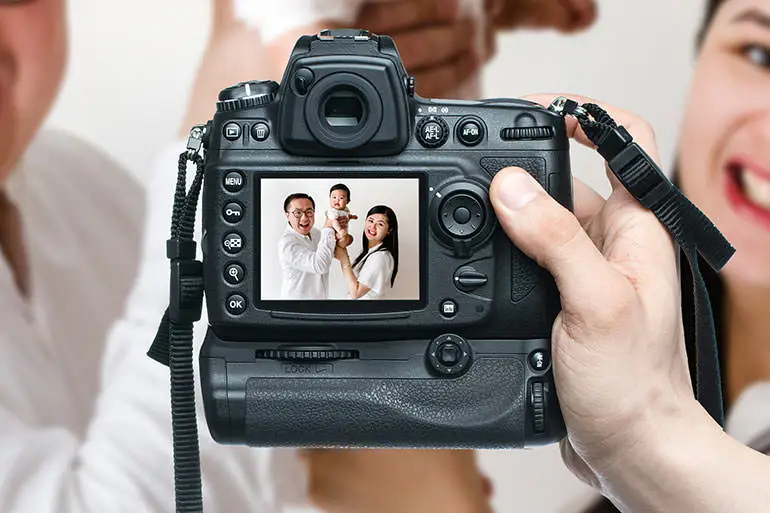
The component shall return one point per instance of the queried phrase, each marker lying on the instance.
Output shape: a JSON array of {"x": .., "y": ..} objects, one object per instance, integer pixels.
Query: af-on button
[{"x": 470, "y": 131}]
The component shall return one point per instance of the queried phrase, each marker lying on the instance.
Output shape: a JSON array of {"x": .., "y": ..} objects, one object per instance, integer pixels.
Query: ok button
[
  {"x": 462, "y": 215},
  {"x": 236, "y": 304}
]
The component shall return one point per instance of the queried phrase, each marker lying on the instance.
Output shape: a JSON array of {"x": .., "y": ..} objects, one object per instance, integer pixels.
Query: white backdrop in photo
[
  {"x": 132, "y": 64},
  {"x": 402, "y": 195}
]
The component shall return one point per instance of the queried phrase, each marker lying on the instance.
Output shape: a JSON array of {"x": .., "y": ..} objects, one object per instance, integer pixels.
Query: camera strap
[
  {"x": 695, "y": 234},
  {"x": 173, "y": 343}
]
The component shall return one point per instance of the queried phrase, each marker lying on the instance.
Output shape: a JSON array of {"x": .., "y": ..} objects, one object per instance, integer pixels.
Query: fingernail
[{"x": 518, "y": 189}]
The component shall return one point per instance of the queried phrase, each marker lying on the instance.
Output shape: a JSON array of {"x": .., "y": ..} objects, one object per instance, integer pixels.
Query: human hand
[
  {"x": 343, "y": 221},
  {"x": 344, "y": 240},
  {"x": 341, "y": 254},
  {"x": 436, "y": 45},
  {"x": 619, "y": 357},
  {"x": 396, "y": 481},
  {"x": 225, "y": 61},
  {"x": 563, "y": 15}
]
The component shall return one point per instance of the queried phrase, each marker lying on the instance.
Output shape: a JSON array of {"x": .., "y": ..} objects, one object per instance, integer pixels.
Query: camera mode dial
[{"x": 247, "y": 95}]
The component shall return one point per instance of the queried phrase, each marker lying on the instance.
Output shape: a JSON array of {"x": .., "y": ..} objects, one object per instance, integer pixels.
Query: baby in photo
[{"x": 339, "y": 213}]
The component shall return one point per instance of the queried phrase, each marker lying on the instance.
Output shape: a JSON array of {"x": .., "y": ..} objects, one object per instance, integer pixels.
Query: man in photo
[{"x": 305, "y": 253}]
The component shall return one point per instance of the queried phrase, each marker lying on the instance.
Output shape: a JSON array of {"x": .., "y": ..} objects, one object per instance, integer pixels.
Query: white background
[
  {"x": 402, "y": 195},
  {"x": 128, "y": 81}
]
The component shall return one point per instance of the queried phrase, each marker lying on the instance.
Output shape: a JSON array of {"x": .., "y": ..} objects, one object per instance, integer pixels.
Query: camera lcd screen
[{"x": 339, "y": 239}]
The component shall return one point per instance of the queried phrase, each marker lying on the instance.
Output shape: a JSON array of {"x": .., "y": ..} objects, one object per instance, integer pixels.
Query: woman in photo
[{"x": 374, "y": 270}]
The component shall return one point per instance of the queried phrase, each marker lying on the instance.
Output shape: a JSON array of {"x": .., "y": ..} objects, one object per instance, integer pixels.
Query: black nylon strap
[
  {"x": 173, "y": 343},
  {"x": 690, "y": 228}
]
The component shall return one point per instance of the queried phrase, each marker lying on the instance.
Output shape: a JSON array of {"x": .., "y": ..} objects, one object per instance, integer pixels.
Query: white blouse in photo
[{"x": 374, "y": 271}]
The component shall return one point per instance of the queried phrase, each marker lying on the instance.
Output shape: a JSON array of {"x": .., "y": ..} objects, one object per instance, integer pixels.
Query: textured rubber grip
[{"x": 485, "y": 407}]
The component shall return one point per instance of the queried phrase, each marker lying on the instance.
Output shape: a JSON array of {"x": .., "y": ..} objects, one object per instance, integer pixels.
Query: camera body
[{"x": 452, "y": 347}]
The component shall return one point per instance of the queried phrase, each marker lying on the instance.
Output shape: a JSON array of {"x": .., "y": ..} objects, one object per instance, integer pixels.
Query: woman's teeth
[{"x": 757, "y": 189}]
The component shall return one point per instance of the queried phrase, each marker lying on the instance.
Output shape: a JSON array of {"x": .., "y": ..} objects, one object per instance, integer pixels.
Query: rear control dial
[{"x": 537, "y": 405}]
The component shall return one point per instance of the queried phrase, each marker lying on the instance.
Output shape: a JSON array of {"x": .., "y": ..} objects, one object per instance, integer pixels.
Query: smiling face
[
  {"x": 725, "y": 145},
  {"x": 301, "y": 216},
  {"x": 32, "y": 60},
  {"x": 376, "y": 228}
]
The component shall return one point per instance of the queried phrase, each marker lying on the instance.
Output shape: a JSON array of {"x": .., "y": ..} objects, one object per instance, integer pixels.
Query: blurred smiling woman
[{"x": 724, "y": 168}]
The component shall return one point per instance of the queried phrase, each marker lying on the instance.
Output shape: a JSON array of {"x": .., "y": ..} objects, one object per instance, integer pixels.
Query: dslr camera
[{"x": 359, "y": 289}]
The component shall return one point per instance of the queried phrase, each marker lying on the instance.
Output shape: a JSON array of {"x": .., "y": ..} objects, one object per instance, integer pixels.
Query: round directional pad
[
  {"x": 450, "y": 355},
  {"x": 462, "y": 215}
]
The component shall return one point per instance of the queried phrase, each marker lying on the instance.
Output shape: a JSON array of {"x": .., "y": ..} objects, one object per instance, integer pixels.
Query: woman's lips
[
  {"x": 371, "y": 234},
  {"x": 748, "y": 190}
]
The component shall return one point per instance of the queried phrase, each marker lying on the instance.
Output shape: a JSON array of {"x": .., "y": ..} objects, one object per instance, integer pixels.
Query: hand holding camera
[
  {"x": 465, "y": 359},
  {"x": 616, "y": 269}
]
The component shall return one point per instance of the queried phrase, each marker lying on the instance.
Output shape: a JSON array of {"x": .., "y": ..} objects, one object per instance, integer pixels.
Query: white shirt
[
  {"x": 305, "y": 263},
  {"x": 84, "y": 413},
  {"x": 749, "y": 418},
  {"x": 374, "y": 271}
]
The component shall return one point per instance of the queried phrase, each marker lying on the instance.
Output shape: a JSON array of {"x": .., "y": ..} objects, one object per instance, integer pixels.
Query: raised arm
[{"x": 298, "y": 256}]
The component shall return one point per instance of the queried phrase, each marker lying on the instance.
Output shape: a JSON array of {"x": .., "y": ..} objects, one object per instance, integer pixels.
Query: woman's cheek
[
  {"x": 41, "y": 60},
  {"x": 713, "y": 108}
]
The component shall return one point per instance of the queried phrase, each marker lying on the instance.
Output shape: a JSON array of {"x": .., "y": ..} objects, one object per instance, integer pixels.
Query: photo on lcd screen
[{"x": 340, "y": 239}]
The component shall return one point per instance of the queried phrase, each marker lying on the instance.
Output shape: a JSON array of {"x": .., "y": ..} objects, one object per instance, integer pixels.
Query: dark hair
[
  {"x": 340, "y": 187},
  {"x": 296, "y": 195},
  {"x": 711, "y": 8},
  {"x": 714, "y": 284},
  {"x": 389, "y": 243}
]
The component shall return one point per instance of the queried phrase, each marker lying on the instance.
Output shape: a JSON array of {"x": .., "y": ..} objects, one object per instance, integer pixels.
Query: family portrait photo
[{"x": 340, "y": 239}]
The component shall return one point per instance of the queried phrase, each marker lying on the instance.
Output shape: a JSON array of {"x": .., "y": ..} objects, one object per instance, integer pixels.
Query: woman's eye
[{"x": 759, "y": 55}]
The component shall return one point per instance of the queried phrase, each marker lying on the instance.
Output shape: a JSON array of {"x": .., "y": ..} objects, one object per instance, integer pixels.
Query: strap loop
[
  {"x": 173, "y": 343},
  {"x": 690, "y": 228}
]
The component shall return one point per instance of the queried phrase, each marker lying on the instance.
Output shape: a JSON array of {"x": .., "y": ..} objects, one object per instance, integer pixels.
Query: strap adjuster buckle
[{"x": 186, "y": 293}]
